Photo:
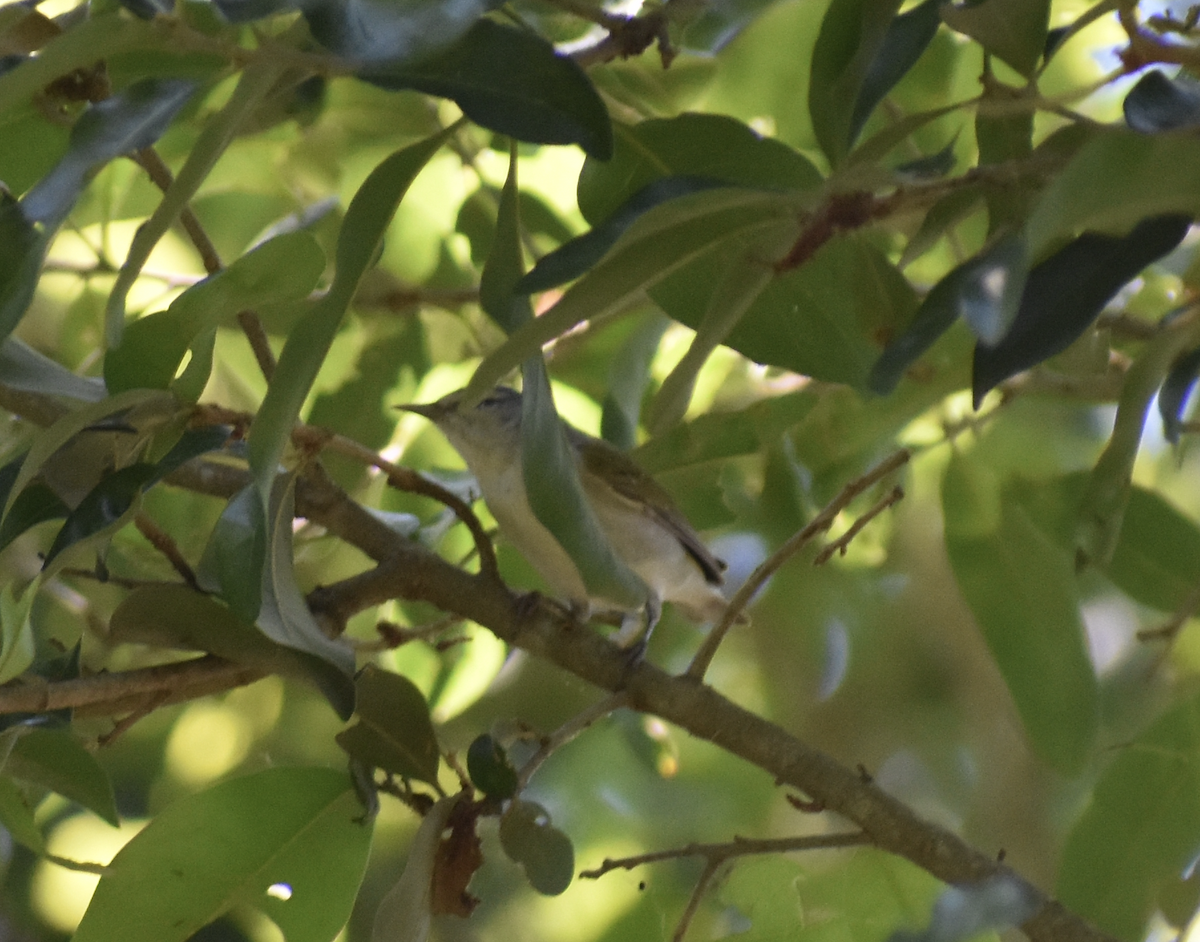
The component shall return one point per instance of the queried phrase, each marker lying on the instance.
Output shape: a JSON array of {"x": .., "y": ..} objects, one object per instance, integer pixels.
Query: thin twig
[
  {"x": 839, "y": 545},
  {"x": 405, "y": 479},
  {"x": 568, "y": 731},
  {"x": 259, "y": 342},
  {"x": 165, "y": 544},
  {"x": 711, "y": 869},
  {"x": 738, "y": 847},
  {"x": 819, "y": 524},
  {"x": 160, "y": 174}
]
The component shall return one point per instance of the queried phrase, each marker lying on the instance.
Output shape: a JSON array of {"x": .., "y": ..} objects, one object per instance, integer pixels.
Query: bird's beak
[{"x": 431, "y": 410}]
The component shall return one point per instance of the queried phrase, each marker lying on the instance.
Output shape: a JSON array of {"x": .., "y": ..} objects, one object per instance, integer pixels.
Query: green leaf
[
  {"x": 393, "y": 732},
  {"x": 175, "y": 616},
  {"x": 505, "y": 265},
  {"x": 56, "y": 759},
  {"x": 128, "y": 121},
  {"x": 378, "y": 34},
  {"x": 720, "y": 435},
  {"x": 528, "y": 838},
  {"x": 1013, "y": 30},
  {"x": 909, "y": 34},
  {"x": 235, "y": 557},
  {"x": 104, "y": 509},
  {"x": 1115, "y": 180},
  {"x": 628, "y": 379},
  {"x": 285, "y": 268},
  {"x": 1176, "y": 390},
  {"x": 16, "y": 631},
  {"x": 285, "y": 616},
  {"x": 1021, "y": 589},
  {"x": 694, "y": 146},
  {"x": 16, "y": 816},
  {"x": 22, "y": 249},
  {"x": 308, "y": 343},
  {"x": 1102, "y": 508},
  {"x": 511, "y": 81},
  {"x": 852, "y": 35},
  {"x": 574, "y": 258},
  {"x": 823, "y": 319},
  {"x": 22, "y": 367},
  {"x": 289, "y": 842},
  {"x": 257, "y": 80},
  {"x": 741, "y": 282},
  {"x": 1159, "y": 103},
  {"x": 1139, "y": 832},
  {"x": 556, "y": 495},
  {"x": 150, "y": 408},
  {"x": 490, "y": 768},
  {"x": 660, "y": 242},
  {"x": 1065, "y": 293}
]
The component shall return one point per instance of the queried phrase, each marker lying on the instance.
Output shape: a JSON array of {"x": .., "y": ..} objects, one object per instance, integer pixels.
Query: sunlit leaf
[
  {"x": 16, "y": 631},
  {"x": 228, "y": 846},
  {"x": 285, "y": 268}
]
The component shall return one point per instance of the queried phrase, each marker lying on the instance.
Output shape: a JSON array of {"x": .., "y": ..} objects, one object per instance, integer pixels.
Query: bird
[{"x": 645, "y": 528}]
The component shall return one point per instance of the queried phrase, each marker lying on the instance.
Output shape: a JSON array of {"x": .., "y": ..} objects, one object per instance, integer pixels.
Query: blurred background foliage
[{"x": 880, "y": 657}]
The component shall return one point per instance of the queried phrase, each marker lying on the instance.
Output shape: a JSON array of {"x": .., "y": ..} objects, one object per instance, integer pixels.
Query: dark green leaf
[
  {"x": 235, "y": 556},
  {"x": 1004, "y": 134},
  {"x": 931, "y": 167},
  {"x": 907, "y": 37},
  {"x": 490, "y": 769},
  {"x": 853, "y": 33},
  {"x": 1014, "y": 30},
  {"x": 1173, "y": 396},
  {"x": 300, "y": 829},
  {"x": 689, "y": 146},
  {"x": 1065, "y": 293},
  {"x": 104, "y": 507},
  {"x": 21, "y": 252},
  {"x": 126, "y": 122},
  {"x": 387, "y": 35},
  {"x": 393, "y": 732},
  {"x": 1158, "y": 103},
  {"x": 1021, "y": 589},
  {"x": 1138, "y": 832},
  {"x": 513, "y": 82},
  {"x": 543, "y": 850},
  {"x": 505, "y": 265},
  {"x": 56, "y": 759},
  {"x": 576, "y": 257},
  {"x": 174, "y": 616}
]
